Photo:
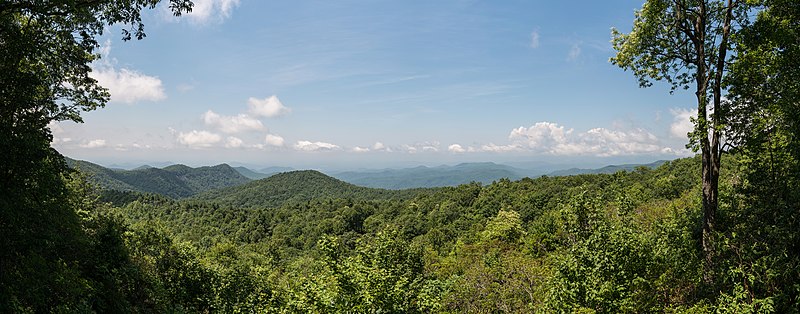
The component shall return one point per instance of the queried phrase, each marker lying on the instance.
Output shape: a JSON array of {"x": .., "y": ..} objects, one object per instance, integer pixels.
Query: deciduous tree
[{"x": 686, "y": 43}]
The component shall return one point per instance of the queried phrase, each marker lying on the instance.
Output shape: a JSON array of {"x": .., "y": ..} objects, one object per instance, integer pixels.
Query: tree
[
  {"x": 765, "y": 95},
  {"x": 47, "y": 48},
  {"x": 764, "y": 85},
  {"x": 686, "y": 44}
]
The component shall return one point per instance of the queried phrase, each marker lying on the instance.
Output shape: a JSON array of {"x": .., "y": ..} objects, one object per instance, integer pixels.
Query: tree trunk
[{"x": 711, "y": 164}]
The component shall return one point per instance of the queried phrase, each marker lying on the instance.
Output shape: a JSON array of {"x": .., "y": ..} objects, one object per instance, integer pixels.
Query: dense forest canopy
[{"x": 714, "y": 233}]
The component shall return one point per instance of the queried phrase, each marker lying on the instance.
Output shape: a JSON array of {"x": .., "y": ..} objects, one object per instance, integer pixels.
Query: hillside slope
[
  {"x": 296, "y": 186},
  {"x": 174, "y": 181}
]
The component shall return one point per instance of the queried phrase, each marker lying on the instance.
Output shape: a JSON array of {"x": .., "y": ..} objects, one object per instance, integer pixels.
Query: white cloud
[
  {"x": 359, "y": 149},
  {"x": 535, "y": 39},
  {"x": 59, "y": 134},
  {"x": 456, "y": 148},
  {"x": 550, "y": 138},
  {"x": 430, "y": 147},
  {"x": 231, "y": 124},
  {"x": 125, "y": 85},
  {"x": 273, "y": 140},
  {"x": 605, "y": 142},
  {"x": 314, "y": 146},
  {"x": 574, "y": 52},
  {"x": 540, "y": 135},
  {"x": 268, "y": 107},
  {"x": 198, "y": 138},
  {"x": 61, "y": 140},
  {"x": 233, "y": 142},
  {"x": 681, "y": 122},
  {"x": 205, "y": 11},
  {"x": 380, "y": 147},
  {"x": 98, "y": 143},
  {"x": 129, "y": 86}
]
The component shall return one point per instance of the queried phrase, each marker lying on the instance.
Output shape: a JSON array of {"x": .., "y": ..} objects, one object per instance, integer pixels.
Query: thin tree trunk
[
  {"x": 712, "y": 155},
  {"x": 710, "y": 204},
  {"x": 710, "y": 163}
]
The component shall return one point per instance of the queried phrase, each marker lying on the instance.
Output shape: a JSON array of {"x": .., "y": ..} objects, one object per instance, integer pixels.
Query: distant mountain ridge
[
  {"x": 483, "y": 172},
  {"x": 176, "y": 181},
  {"x": 421, "y": 176},
  {"x": 251, "y": 174},
  {"x": 607, "y": 169},
  {"x": 180, "y": 181}
]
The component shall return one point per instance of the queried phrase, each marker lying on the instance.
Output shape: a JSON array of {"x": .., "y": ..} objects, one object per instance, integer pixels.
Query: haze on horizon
[{"x": 377, "y": 84}]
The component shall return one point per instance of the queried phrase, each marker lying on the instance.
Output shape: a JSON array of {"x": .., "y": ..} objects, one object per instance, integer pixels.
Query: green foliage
[
  {"x": 506, "y": 226},
  {"x": 296, "y": 187},
  {"x": 175, "y": 181}
]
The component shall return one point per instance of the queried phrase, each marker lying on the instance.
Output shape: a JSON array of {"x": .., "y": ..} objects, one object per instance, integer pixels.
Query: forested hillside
[
  {"x": 296, "y": 186},
  {"x": 622, "y": 242},
  {"x": 715, "y": 233},
  {"x": 173, "y": 181}
]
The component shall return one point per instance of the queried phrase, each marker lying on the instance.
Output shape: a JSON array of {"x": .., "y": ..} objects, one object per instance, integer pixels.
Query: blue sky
[{"x": 377, "y": 83}]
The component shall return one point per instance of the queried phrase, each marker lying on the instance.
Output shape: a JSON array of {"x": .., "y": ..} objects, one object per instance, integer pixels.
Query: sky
[{"x": 371, "y": 84}]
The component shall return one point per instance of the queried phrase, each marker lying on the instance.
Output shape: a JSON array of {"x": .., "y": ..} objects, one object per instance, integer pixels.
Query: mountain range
[
  {"x": 422, "y": 176},
  {"x": 175, "y": 181},
  {"x": 241, "y": 184}
]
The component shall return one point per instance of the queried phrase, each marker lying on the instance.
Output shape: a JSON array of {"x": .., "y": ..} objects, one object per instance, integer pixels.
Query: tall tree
[
  {"x": 47, "y": 47},
  {"x": 686, "y": 43},
  {"x": 764, "y": 85}
]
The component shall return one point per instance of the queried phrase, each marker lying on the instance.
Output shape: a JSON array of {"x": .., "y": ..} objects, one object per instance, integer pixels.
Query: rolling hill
[
  {"x": 176, "y": 181},
  {"x": 296, "y": 186}
]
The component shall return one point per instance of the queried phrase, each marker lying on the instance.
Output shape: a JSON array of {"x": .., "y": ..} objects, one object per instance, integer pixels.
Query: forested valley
[
  {"x": 714, "y": 233},
  {"x": 624, "y": 242}
]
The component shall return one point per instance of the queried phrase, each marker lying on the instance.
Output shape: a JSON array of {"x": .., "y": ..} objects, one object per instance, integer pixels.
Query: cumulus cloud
[
  {"x": 126, "y": 85},
  {"x": 314, "y": 146},
  {"x": 550, "y": 138},
  {"x": 605, "y": 142},
  {"x": 456, "y": 148},
  {"x": 359, "y": 149},
  {"x": 233, "y": 142},
  {"x": 681, "y": 122},
  {"x": 98, "y": 143},
  {"x": 540, "y": 135},
  {"x": 273, "y": 140},
  {"x": 198, "y": 138},
  {"x": 129, "y": 86},
  {"x": 535, "y": 39},
  {"x": 380, "y": 147},
  {"x": 231, "y": 124},
  {"x": 268, "y": 107},
  {"x": 205, "y": 11}
]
